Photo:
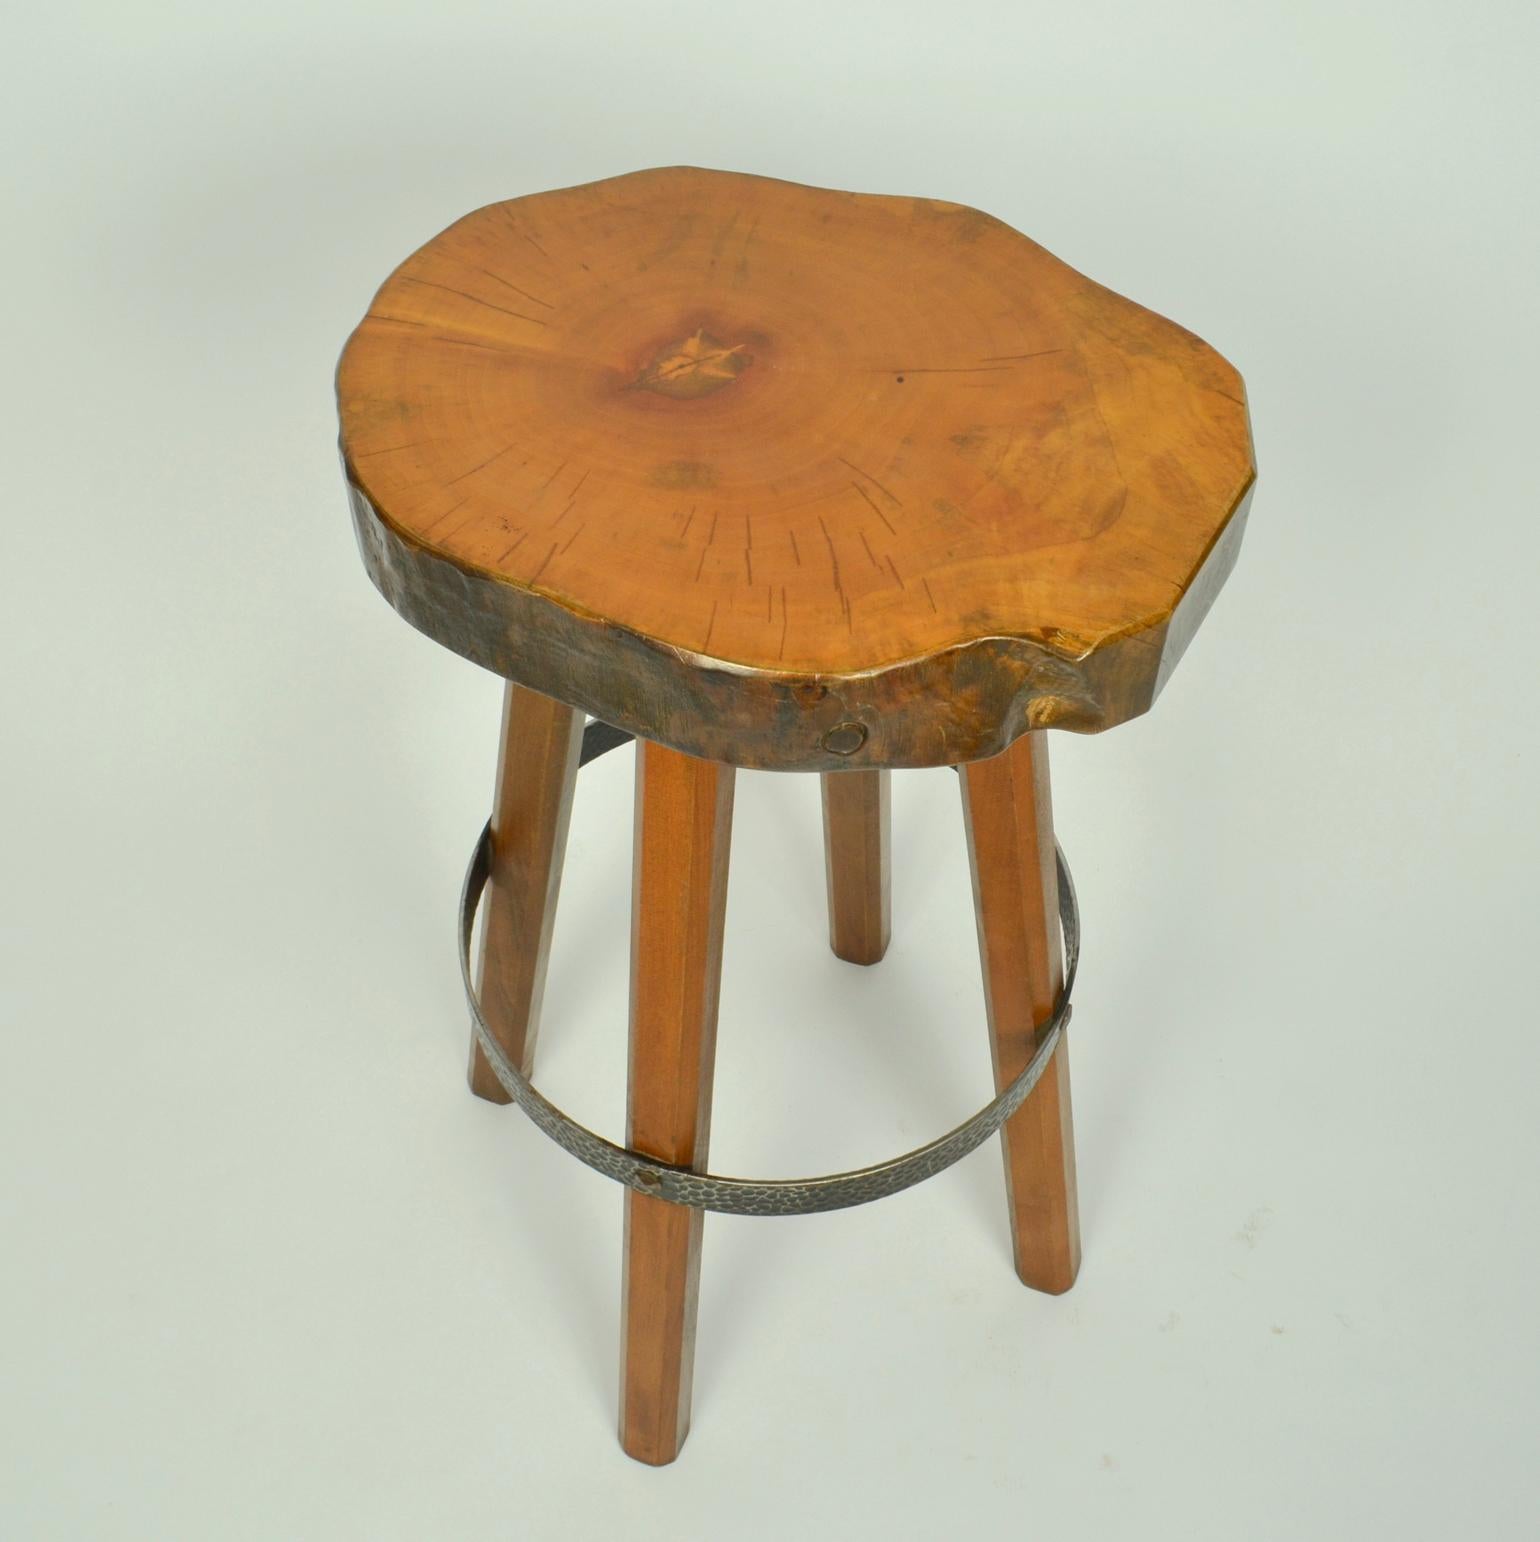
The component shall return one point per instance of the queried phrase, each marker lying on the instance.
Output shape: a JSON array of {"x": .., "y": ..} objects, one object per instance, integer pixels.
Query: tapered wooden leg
[
  {"x": 684, "y": 812},
  {"x": 857, "y": 821},
  {"x": 537, "y": 764},
  {"x": 1009, "y": 817}
]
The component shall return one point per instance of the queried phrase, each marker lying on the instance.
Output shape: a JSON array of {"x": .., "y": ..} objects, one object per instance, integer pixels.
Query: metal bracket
[{"x": 756, "y": 1196}]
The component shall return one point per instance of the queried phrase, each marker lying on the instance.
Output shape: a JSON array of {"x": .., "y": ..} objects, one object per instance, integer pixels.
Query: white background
[{"x": 268, "y": 1271}]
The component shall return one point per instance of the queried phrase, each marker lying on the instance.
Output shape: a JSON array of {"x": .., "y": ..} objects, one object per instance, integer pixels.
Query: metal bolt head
[{"x": 845, "y": 738}]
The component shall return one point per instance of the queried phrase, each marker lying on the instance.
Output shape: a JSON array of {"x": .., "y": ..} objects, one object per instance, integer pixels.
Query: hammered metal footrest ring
[{"x": 762, "y": 1196}]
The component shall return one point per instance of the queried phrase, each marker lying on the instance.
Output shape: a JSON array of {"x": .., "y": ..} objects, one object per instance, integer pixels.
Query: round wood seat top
[{"x": 790, "y": 477}]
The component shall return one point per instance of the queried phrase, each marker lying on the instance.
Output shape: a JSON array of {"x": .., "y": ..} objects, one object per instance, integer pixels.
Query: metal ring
[{"x": 761, "y": 1196}]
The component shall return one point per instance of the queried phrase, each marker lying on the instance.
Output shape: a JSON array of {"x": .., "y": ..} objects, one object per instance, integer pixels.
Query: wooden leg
[
  {"x": 684, "y": 812},
  {"x": 857, "y": 820},
  {"x": 537, "y": 766},
  {"x": 1009, "y": 817}
]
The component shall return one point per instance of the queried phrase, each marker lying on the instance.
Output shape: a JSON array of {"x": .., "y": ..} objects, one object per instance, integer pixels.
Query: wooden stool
[{"x": 773, "y": 476}]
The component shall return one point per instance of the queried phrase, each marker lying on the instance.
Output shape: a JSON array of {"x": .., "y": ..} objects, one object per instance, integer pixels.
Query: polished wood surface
[
  {"x": 679, "y": 899},
  {"x": 1009, "y": 816},
  {"x": 537, "y": 765},
  {"x": 790, "y": 477},
  {"x": 857, "y": 838}
]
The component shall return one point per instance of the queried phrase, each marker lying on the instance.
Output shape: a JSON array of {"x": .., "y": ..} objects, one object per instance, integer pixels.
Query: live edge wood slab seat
[{"x": 780, "y": 477}]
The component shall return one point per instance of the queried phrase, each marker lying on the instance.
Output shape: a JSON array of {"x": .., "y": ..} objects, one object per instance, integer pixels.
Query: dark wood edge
[{"x": 962, "y": 703}]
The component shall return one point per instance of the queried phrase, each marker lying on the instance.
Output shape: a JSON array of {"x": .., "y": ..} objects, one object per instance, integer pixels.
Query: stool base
[{"x": 683, "y": 829}]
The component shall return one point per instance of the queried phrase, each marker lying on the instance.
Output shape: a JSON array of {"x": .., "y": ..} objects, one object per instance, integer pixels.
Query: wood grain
[
  {"x": 757, "y": 469},
  {"x": 537, "y": 765},
  {"x": 1009, "y": 817},
  {"x": 857, "y": 835},
  {"x": 679, "y": 900}
]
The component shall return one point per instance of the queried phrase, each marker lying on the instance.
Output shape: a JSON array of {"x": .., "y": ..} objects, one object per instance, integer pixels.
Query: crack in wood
[
  {"x": 871, "y": 503},
  {"x": 475, "y": 299},
  {"x": 534, "y": 299},
  {"x": 886, "y": 492},
  {"x": 1016, "y": 358},
  {"x": 545, "y": 563},
  {"x": 481, "y": 465}
]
